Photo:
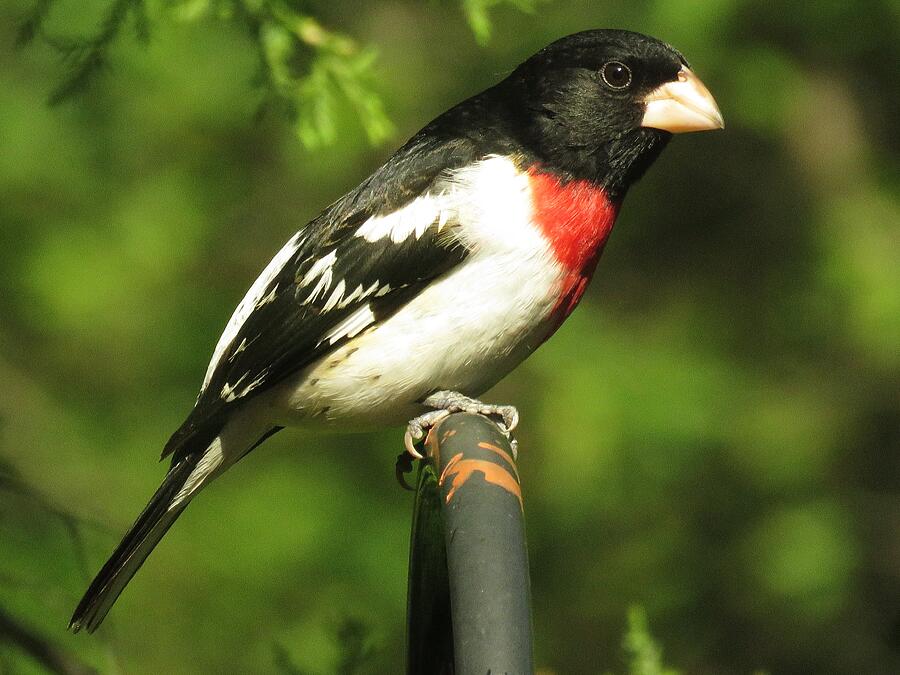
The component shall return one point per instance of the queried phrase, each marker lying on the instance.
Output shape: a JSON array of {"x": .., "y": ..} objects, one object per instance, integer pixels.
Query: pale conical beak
[{"x": 682, "y": 105}]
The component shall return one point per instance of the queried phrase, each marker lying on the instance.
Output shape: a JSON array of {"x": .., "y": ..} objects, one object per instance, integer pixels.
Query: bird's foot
[
  {"x": 446, "y": 403},
  {"x": 419, "y": 426}
]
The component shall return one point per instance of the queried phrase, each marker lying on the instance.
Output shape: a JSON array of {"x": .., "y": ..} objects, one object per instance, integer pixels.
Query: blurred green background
[{"x": 713, "y": 435}]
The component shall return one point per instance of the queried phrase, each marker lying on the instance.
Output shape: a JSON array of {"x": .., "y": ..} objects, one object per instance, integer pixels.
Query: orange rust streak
[
  {"x": 462, "y": 470},
  {"x": 502, "y": 453},
  {"x": 448, "y": 470}
]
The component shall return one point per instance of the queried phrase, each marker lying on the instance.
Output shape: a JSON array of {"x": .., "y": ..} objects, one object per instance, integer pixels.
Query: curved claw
[
  {"x": 415, "y": 430},
  {"x": 510, "y": 417},
  {"x": 410, "y": 445}
]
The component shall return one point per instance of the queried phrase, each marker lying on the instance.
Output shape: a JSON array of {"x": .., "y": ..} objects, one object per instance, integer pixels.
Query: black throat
[{"x": 613, "y": 165}]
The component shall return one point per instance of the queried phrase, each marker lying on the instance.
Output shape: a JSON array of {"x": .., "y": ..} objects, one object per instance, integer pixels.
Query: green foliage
[
  {"x": 86, "y": 57},
  {"x": 306, "y": 71},
  {"x": 337, "y": 71},
  {"x": 355, "y": 651},
  {"x": 641, "y": 650},
  {"x": 478, "y": 14}
]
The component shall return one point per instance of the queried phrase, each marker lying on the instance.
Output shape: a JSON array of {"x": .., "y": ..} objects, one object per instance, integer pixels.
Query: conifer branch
[{"x": 307, "y": 72}]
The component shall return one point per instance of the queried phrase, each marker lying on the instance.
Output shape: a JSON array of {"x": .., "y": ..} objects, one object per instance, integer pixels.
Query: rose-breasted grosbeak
[{"x": 438, "y": 274}]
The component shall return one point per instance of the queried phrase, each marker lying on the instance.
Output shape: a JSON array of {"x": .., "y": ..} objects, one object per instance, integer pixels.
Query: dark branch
[
  {"x": 32, "y": 24},
  {"x": 90, "y": 55}
]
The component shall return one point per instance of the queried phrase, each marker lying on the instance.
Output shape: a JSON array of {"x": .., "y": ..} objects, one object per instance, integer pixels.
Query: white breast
[{"x": 464, "y": 332}]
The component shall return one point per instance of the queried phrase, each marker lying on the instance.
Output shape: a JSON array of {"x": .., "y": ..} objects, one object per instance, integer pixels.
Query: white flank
[{"x": 246, "y": 306}]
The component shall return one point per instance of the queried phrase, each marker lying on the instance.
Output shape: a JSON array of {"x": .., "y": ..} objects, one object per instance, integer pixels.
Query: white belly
[{"x": 464, "y": 333}]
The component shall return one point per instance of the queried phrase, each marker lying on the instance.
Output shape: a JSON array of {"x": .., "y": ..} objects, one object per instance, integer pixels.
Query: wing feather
[{"x": 359, "y": 262}]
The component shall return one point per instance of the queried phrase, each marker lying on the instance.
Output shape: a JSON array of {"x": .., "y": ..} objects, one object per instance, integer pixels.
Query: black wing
[{"x": 332, "y": 286}]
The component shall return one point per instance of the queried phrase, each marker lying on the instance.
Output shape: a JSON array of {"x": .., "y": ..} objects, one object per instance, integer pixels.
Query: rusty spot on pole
[
  {"x": 463, "y": 469},
  {"x": 503, "y": 454}
]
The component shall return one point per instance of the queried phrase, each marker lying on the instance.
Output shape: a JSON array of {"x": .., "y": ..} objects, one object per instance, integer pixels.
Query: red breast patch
[{"x": 576, "y": 217}]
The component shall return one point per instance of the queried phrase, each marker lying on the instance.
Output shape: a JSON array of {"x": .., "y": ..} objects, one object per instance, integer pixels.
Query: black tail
[{"x": 155, "y": 520}]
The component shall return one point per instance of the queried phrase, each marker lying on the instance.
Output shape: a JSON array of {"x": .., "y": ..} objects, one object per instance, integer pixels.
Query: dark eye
[{"x": 617, "y": 75}]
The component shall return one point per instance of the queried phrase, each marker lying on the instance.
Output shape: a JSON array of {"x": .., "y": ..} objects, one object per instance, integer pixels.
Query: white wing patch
[
  {"x": 251, "y": 300},
  {"x": 269, "y": 298},
  {"x": 241, "y": 347},
  {"x": 323, "y": 270},
  {"x": 322, "y": 274},
  {"x": 412, "y": 220},
  {"x": 359, "y": 294},
  {"x": 230, "y": 392},
  {"x": 227, "y": 393},
  {"x": 336, "y": 296},
  {"x": 352, "y": 325}
]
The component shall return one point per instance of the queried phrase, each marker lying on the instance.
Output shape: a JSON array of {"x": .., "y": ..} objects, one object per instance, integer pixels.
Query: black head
[{"x": 582, "y": 105}]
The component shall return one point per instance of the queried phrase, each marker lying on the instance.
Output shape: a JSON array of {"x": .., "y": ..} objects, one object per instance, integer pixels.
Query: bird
[{"x": 421, "y": 288}]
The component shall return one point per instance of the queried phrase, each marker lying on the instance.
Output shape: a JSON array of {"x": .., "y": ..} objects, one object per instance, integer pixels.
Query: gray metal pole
[{"x": 474, "y": 472}]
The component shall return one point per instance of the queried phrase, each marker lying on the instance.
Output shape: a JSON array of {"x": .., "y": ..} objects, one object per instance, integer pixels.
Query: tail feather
[{"x": 157, "y": 517}]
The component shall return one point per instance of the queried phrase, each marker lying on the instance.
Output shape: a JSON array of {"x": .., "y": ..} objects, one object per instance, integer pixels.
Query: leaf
[
  {"x": 479, "y": 21},
  {"x": 477, "y": 15},
  {"x": 644, "y": 655},
  {"x": 79, "y": 79},
  {"x": 31, "y": 26}
]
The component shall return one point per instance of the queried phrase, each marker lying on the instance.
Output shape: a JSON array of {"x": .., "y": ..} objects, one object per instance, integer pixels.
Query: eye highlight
[{"x": 616, "y": 75}]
